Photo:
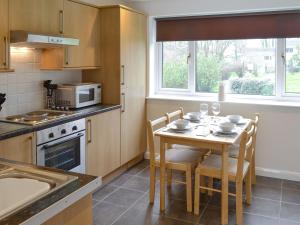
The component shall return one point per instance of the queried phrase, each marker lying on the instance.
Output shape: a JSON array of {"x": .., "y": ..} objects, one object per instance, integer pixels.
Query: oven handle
[{"x": 50, "y": 146}]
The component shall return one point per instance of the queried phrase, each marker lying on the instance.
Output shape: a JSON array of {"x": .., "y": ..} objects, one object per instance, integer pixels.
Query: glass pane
[
  {"x": 175, "y": 66},
  {"x": 292, "y": 75},
  {"x": 245, "y": 66}
]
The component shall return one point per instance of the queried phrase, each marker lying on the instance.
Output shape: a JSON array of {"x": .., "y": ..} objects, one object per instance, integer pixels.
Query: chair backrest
[
  {"x": 256, "y": 120},
  {"x": 176, "y": 114},
  {"x": 246, "y": 149},
  {"x": 151, "y": 125}
]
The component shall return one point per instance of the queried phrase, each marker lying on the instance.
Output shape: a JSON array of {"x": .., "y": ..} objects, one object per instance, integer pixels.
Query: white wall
[
  {"x": 278, "y": 149},
  {"x": 24, "y": 87},
  {"x": 194, "y": 7}
]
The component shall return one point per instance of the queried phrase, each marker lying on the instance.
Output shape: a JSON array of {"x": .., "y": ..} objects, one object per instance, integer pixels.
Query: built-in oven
[{"x": 62, "y": 146}]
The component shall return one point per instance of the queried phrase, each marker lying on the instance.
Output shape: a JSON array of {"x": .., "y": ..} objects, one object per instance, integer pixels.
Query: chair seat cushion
[
  {"x": 212, "y": 166},
  {"x": 186, "y": 147},
  {"x": 182, "y": 156},
  {"x": 234, "y": 151}
]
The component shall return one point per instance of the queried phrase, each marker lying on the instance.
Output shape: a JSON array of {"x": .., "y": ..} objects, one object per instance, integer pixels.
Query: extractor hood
[{"x": 20, "y": 38}]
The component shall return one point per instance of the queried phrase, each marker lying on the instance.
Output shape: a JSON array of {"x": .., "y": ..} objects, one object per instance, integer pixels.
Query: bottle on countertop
[{"x": 221, "y": 96}]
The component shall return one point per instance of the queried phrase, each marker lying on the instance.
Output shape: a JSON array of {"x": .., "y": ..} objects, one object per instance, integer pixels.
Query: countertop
[
  {"x": 9, "y": 130},
  {"x": 39, "y": 211}
]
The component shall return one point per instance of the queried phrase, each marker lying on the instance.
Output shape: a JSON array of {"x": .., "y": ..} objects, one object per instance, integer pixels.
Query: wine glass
[
  {"x": 215, "y": 110},
  {"x": 203, "y": 109}
]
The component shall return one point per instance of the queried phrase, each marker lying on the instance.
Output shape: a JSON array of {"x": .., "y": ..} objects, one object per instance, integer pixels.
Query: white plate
[
  {"x": 176, "y": 129},
  {"x": 218, "y": 130}
]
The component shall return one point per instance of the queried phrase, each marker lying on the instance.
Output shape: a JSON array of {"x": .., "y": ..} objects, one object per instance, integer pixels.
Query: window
[{"x": 247, "y": 67}]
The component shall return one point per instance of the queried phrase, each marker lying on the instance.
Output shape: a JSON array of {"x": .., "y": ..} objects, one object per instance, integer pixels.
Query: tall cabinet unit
[
  {"x": 123, "y": 73},
  {"x": 4, "y": 42}
]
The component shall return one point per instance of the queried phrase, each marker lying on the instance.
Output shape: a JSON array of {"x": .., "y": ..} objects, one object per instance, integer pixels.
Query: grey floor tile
[
  {"x": 291, "y": 195},
  {"x": 263, "y": 207},
  {"x": 137, "y": 183},
  {"x": 268, "y": 181},
  {"x": 250, "y": 219},
  {"x": 287, "y": 222},
  {"x": 124, "y": 197},
  {"x": 212, "y": 216},
  {"x": 104, "y": 192},
  {"x": 120, "y": 180},
  {"x": 106, "y": 213},
  {"x": 290, "y": 212},
  {"x": 146, "y": 173},
  {"x": 169, "y": 221},
  {"x": 176, "y": 209},
  {"x": 215, "y": 200},
  {"x": 138, "y": 168},
  {"x": 291, "y": 184},
  {"x": 268, "y": 192}
]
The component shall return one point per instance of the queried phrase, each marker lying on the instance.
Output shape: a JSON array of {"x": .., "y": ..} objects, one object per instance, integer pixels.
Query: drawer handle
[
  {"x": 89, "y": 123},
  {"x": 61, "y": 21},
  {"x": 123, "y": 102},
  {"x": 5, "y": 56},
  {"x": 123, "y": 75}
]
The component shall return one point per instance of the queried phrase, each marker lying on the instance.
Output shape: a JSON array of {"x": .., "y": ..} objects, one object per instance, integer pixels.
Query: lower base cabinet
[
  {"x": 103, "y": 143},
  {"x": 20, "y": 148}
]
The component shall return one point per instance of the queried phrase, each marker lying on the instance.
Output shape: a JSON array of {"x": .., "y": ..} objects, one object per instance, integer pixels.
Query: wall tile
[{"x": 24, "y": 87}]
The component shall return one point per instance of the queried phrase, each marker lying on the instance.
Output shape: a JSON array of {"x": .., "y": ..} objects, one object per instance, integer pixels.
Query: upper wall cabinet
[
  {"x": 82, "y": 22},
  {"x": 37, "y": 16},
  {"x": 4, "y": 48}
]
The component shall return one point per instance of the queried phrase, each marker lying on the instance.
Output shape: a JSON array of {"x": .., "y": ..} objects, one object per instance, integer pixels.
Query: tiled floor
[{"x": 124, "y": 201}]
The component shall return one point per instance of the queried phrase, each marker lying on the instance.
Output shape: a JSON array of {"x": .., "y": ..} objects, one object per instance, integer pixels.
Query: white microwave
[{"x": 78, "y": 95}]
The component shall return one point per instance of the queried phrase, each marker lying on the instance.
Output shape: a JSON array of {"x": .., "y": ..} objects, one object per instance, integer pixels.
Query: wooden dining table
[{"x": 197, "y": 138}]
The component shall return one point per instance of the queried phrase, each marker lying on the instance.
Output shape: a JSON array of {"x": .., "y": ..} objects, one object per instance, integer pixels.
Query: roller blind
[{"x": 229, "y": 27}]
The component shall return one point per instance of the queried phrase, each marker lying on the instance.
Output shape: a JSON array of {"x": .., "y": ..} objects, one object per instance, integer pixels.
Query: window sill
[{"x": 264, "y": 102}]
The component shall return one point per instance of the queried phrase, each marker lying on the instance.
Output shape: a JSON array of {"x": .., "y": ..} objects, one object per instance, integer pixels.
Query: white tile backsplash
[{"x": 24, "y": 87}]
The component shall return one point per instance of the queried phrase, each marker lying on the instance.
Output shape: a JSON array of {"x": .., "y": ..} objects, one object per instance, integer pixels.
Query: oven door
[{"x": 67, "y": 153}]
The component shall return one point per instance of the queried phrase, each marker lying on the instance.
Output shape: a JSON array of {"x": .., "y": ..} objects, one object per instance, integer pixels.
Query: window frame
[{"x": 280, "y": 76}]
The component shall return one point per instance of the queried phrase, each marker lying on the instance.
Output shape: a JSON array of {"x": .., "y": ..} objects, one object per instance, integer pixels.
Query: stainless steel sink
[{"x": 53, "y": 179}]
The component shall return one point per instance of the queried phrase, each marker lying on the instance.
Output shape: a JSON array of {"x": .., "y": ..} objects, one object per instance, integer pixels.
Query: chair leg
[
  {"x": 253, "y": 179},
  {"x": 189, "y": 200},
  {"x": 210, "y": 185},
  {"x": 202, "y": 180},
  {"x": 198, "y": 181},
  {"x": 152, "y": 183},
  {"x": 239, "y": 203},
  {"x": 169, "y": 177},
  {"x": 249, "y": 187}
]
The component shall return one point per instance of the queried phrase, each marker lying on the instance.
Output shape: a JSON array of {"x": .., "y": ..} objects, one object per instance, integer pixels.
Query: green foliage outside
[
  {"x": 175, "y": 74},
  {"x": 252, "y": 86},
  {"x": 208, "y": 73},
  {"x": 293, "y": 82}
]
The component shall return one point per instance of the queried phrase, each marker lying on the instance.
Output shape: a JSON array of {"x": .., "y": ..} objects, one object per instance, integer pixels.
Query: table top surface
[{"x": 204, "y": 132}]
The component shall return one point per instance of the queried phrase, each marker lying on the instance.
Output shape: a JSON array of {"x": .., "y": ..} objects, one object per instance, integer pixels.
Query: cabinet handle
[
  {"x": 123, "y": 102},
  {"x": 66, "y": 56},
  {"x": 61, "y": 21},
  {"x": 89, "y": 123},
  {"x": 5, "y": 51},
  {"x": 123, "y": 75}
]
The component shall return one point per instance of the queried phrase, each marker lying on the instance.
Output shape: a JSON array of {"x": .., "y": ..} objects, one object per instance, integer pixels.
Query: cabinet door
[
  {"x": 3, "y": 34},
  {"x": 19, "y": 148},
  {"x": 39, "y": 16},
  {"x": 82, "y": 22},
  {"x": 103, "y": 143},
  {"x": 133, "y": 55}
]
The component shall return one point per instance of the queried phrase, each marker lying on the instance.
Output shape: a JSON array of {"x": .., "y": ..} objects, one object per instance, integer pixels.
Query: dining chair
[
  {"x": 238, "y": 170},
  {"x": 234, "y": 150},
  {"x": 176, "y": 159}
]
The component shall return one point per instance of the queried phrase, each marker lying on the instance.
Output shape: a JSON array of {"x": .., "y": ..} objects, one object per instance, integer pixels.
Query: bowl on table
[
  {"x": 194, "y": 115},
  {"x": 181, "y": 124},
  {"x": 234, "y": 118},
  {"x": 226, "y": 126}
]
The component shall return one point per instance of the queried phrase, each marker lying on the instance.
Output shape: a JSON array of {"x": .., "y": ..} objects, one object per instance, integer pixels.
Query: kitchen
[{"x": 91, "y": 161}]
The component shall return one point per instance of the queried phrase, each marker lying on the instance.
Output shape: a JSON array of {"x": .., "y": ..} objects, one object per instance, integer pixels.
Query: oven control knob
[
  {"x": 51, "y": 135},
  {"x": 63, "y": 131},
  {"x": 74, "y": 128}
]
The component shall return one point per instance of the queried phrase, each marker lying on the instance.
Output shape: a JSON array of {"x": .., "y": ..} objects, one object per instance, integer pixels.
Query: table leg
[
  {"x": 224, "y": 208},
  {"x": 162, "y": 174}
]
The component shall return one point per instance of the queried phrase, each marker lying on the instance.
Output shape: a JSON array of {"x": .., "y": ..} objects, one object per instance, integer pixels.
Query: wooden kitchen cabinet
[
  {"x": 82, "y": 22},
  {"x": 4, "y": 42},
  {"x": 123, "y": 73},
  {"x": 103, "y": 143},
  {"x": 37, "y": 16},
  {"x": 20, "y": 148}
]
